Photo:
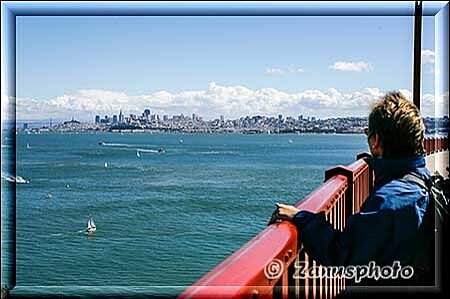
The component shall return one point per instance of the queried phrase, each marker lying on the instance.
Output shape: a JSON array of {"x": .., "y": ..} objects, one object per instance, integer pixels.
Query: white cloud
[
  {"x": 428, "y": 57},
  {"x": 349, "y": 66},
  {"x": 216, "y": 100},
  {"x": 281, "y": 71},
  {"x": 274, "y": 71},
  {"x": 293, "y": 69}
]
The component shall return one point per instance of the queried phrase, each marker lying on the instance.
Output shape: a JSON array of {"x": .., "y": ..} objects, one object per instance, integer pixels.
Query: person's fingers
[
  {"x": 281, "y": 205},
  {"x": 282, "y": 211}
]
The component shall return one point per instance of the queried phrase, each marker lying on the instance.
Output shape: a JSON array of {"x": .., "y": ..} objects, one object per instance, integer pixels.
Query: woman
[{"x": 392, "y": 224}]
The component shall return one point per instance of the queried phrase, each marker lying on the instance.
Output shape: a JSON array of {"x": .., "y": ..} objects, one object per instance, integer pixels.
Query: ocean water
[{"x": 163, "y": 219}]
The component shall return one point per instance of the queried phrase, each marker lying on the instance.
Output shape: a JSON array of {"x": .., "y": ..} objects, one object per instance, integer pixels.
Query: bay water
[{"x": 163, "y": 218}]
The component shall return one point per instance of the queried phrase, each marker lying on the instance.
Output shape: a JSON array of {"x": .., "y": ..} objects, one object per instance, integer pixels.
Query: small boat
[
  {"x": 15, "y": 179},
  {"x": 138, "y": 154},
  {"x": 21, "y": 180},
  {"x": 290, "y": 141},
  {"x": 101, "y": 142},
  {"x": 28, "y": 146},
  {"x": 106, "y": 164},
  {"x": 181, "y": 141},
  {"x": 91, "y": 228},
  {"x": 49, "y": 195},
  {"x": 161, "y": 150}
]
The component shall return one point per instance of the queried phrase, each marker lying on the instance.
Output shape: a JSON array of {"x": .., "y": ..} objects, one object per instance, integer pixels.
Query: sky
[{"x": 233, "y": 66}]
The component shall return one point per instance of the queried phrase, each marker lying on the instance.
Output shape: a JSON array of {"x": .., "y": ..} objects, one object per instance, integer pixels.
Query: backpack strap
[
  {"x": 437, "y": 197},
  {"x": 415, "y": 179}
]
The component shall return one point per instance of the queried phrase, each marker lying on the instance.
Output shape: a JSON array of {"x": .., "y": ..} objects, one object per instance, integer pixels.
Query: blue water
[{"x": 162, "y": 219}]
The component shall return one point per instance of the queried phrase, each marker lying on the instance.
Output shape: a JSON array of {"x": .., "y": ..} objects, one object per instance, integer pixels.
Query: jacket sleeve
[{"x": 365, "y": 237}]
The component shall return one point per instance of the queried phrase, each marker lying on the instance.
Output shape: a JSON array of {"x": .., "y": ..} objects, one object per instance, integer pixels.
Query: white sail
[
  {"x": 91, "y": 226},
  {"x": 91, "y": 223}
]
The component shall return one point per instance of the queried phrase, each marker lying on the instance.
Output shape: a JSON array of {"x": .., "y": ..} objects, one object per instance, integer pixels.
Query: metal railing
[
  {"x": 435, "y": 145},
  {"x": 265, "y": 266}
]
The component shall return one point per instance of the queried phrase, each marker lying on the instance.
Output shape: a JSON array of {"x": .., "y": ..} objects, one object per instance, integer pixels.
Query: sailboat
[
  {"x": 138, "y": 154},
  {"x": 91, "y": 226},
  {"x": 106, "y": 164}
]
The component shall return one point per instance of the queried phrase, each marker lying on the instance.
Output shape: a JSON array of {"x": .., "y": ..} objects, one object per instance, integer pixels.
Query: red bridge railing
[
  {"x": 434, "y": 145},
  {"x": 265, "y": 266}
]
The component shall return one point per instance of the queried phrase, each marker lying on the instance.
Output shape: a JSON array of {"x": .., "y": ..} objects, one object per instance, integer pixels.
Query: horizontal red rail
[{"x": 242, "y": 274}]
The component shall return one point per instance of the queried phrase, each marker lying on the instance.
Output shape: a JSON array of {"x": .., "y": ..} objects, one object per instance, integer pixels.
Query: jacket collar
[{"x": 389, "y": 169}]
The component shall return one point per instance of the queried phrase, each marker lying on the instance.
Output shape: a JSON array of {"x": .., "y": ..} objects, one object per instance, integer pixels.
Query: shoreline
[{"x": 151, "y": 132}]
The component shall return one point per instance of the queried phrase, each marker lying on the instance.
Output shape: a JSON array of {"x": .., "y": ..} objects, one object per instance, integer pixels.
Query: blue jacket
[{"x": 386, "y": 229}]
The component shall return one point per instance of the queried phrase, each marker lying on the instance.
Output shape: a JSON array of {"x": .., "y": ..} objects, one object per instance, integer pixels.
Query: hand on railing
[{"x": 283, "y": 212}]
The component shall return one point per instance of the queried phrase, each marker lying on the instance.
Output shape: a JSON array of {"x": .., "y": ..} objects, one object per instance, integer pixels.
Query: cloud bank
[
  {"x": 281, "y": 71},
  {"x": 230, "y": 101},
  {"x": 348, "y": 66}
]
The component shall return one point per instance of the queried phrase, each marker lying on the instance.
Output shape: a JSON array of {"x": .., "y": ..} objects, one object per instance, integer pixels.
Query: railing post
[
  {"x": 366, "y": 156},
  {"x": 348, "y": 173}
]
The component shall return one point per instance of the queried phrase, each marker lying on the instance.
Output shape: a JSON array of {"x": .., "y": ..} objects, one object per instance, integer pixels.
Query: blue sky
[{"x": 90, "y": 65}]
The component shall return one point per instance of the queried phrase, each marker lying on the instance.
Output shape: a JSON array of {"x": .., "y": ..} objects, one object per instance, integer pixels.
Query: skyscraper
[
  {"x": 120, "y": 117},
  {"x": 146, "y": 113}
]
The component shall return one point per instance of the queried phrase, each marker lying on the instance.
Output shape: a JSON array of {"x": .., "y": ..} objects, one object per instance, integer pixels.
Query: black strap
[{"x": 415, "y": 179}]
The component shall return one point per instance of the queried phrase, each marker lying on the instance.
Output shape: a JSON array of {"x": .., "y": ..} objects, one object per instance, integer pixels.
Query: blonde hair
[{"x": 399, "y": 125}]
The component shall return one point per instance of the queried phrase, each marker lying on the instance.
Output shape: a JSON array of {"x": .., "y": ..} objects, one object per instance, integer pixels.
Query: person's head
[{"x": 396, "y": 128}]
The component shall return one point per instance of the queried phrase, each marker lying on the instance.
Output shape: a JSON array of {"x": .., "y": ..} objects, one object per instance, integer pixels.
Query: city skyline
[
  {"x": 256, "y": 124},
  {"x": 146, "y": 115}
]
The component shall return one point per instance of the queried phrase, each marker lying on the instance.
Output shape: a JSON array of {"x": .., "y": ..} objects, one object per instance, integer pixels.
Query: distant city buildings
[
  {"x": 256, "y": 124},
  {"x": 247, "y": 124}
]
